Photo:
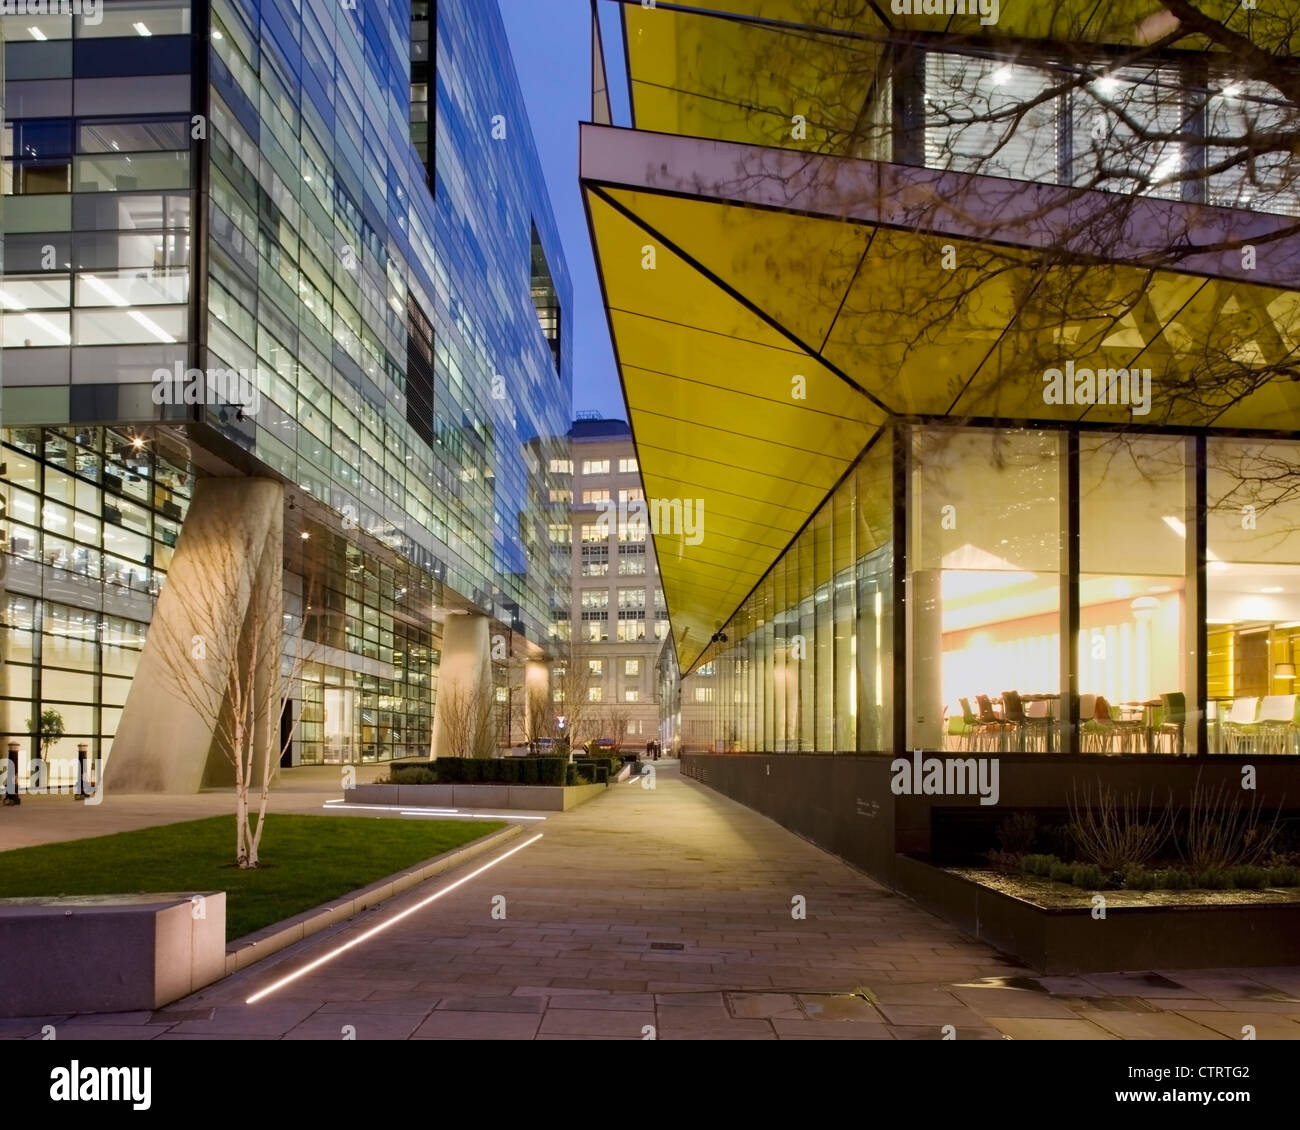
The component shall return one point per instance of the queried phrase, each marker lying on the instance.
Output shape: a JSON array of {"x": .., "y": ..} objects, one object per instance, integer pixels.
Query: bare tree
[
  {"x": 236, "y": 674},
  {"x": 571, "y": 682},
  {"x": 617, "y": 719},
  {"x": 468, "y": 720}
]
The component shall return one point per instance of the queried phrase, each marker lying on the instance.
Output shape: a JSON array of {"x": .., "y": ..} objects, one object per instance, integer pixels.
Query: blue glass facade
[{"x": 239, "y": 187}]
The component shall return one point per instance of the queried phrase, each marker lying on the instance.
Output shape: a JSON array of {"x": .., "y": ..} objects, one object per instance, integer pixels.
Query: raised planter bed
[
  {"x": 528, "y": 798},
  {"x": 1051, "y": 927},
  {"x": 144, "y": 951}
]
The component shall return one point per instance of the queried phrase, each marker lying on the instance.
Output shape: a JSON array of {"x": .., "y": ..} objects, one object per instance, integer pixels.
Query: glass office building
[
  {"x": 975, "y": 342},
  {"x": 308, "y": 245}
]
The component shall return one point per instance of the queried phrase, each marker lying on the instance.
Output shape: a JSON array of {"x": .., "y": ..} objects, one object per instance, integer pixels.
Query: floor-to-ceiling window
[
  {"x": 984, "y": 585},
  {"x": 1137, "y": 642},
  {"x": 1253, "y": 595}
]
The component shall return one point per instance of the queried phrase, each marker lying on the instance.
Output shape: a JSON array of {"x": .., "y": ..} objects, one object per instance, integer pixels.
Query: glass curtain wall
[
  {"x": 809, "y": 664},
  {"x": 809, "y": 661}
]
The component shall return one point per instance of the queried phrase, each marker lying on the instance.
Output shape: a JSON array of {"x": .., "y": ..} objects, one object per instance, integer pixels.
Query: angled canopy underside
[
  {"x": 760, "y": 352},
  {"x": 730, "y": 417}
]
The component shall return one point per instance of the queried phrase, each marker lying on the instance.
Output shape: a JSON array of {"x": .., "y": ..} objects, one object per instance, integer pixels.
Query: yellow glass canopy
[
  {"x": 764, "y": 342},
  {"x": 739, "y": 70},
  {"x": 761, "y": 351}
]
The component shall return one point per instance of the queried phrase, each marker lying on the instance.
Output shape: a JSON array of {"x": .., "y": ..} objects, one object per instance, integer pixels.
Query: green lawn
[{"x": 305, "y": 861}]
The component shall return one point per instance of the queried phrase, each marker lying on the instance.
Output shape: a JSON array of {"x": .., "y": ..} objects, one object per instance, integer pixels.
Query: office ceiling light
[
  {"x": 96, "y": 283},
  {"x": 141, "y": 29},
  {"x": 37, "y": 34},
  {"x": 152, "y": 326},
  {"x": 1272, "y": 588},
  {"x": 1284, "y": 671},
  {"x": 50, "y": 328},
  {"x": 1144, "y": 606}
]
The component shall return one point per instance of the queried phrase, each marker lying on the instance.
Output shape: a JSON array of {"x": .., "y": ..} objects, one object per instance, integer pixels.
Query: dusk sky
[{"x": 551, "y": 46}]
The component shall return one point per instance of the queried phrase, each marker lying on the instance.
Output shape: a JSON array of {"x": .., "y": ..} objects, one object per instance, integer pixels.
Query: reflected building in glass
[
  {"x": 305, "y": 246},
  {"x": 967, "y": 339}
]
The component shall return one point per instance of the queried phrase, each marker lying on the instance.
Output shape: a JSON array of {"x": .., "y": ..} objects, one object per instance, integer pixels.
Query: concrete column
[
  {"x": 465, "y": 670},
  {"x": 537, "y": 683},
  {"x": 925, "y": 599},
  {"x": 219, "y": 618}
]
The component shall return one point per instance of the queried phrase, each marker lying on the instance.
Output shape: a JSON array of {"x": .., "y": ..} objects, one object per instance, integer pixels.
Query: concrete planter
[
  {"x": 146, "y": 950},
  {"x": 1059, "y": 940},
  {"x": 527, "y": 798}
]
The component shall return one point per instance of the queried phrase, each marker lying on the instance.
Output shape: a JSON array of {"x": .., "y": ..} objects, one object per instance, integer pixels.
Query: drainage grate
[{"x": 667, "y": 946}]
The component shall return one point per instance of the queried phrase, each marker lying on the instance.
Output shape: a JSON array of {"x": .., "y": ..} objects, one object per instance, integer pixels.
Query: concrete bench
[{"x": 109, "y": 953}]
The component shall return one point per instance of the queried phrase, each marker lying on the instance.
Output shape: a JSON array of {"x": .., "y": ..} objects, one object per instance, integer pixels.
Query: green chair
[{"x": 1172, "y": 722}]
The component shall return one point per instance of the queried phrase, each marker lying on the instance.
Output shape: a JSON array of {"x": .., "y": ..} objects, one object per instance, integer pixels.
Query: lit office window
[
  {"x": 1253, "y": 597},
  {"x": 1134, "y": 648}
]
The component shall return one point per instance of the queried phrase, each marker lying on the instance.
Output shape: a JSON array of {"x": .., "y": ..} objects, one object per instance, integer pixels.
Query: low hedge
[
  {"x": 412, "y": 775},
  {"x": 502, "y": 770},
  {"x": 598, "y": 769},
  {"x": 505, "y": 771},
  {"x": 1091, "y": 877}
]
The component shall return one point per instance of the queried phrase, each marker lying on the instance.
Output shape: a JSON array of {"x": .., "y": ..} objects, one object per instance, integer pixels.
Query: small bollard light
[
  {"x": 82, "y": 747},
  {"x": 11, "y": 787}
]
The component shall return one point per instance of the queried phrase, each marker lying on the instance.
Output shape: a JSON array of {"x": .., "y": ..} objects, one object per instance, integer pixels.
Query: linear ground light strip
[
  {"x": 447, "y": 814},
  {"x": 280, "y": 984}
]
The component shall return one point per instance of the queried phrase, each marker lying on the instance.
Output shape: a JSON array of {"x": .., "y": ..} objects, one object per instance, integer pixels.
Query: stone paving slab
[{"x": 596, "y": 910}]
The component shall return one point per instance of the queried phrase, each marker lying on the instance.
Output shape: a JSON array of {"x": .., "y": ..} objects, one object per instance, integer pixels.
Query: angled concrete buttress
[{"x": 221, "y": 609}]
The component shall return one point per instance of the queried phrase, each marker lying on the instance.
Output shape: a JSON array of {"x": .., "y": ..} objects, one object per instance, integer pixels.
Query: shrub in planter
[
  {"x": 1250, "y": 878},
  {"x": 1039, "y": 864},
  {"x": 509, "y": 771},
  {"x": 1214, "y": 879},
  {"x": 1008, "y": 862},
  {"x": 1087, "y": 875},
  {"x": 1174, "y": 879},
  {"x": 1139, "y": 879},
  {"x": 412, "y": 775},
  {"x": 1061, "y": 873},
  {"x": 1284, "y": 876},
  {"x": 551, "y": 770},
  {"x": 528, "y": 770},
  {"x": 1018, "y": 833}
]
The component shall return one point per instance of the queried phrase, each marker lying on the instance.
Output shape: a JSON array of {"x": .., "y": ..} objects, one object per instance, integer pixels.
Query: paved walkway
[
  {"x": 54, "y": 817},
  {"x": 668, "y": 913}
]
